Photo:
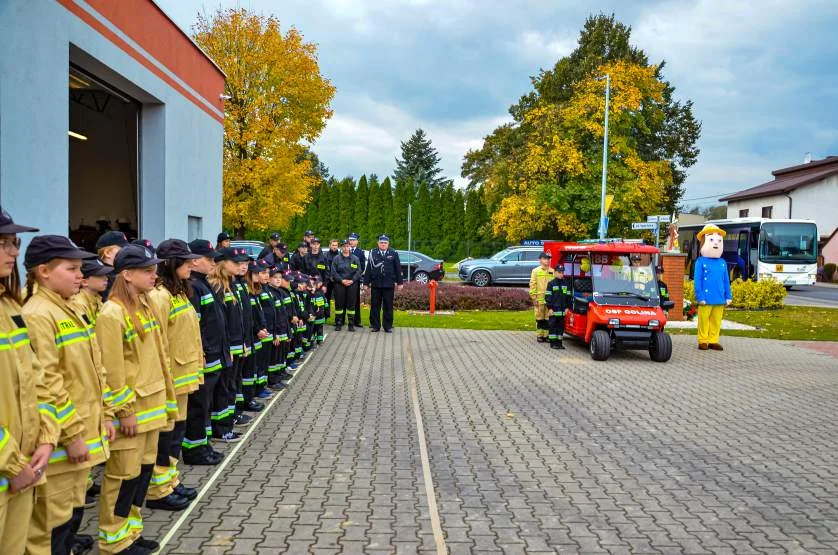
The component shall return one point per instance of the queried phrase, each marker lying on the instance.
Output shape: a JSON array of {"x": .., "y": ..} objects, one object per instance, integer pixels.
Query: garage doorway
[{"x": 103, "y": 160}]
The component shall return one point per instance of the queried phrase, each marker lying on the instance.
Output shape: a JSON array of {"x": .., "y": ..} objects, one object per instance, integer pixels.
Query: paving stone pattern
[{"x": 534, "y": 451}]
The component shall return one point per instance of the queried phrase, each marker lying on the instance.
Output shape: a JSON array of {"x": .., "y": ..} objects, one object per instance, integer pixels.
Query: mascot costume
[{"x": 712, "y": 287}]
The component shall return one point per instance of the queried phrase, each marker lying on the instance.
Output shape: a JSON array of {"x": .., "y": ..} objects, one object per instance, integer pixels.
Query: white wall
[{"x": 817, "y": 202}]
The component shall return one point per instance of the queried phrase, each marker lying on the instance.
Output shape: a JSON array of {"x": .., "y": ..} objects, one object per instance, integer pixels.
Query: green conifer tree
[
  {"x": 419, "y": 161},
  {"x": 362, "y": 197}
]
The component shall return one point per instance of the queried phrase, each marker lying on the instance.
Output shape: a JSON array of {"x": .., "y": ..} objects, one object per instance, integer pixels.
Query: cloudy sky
[{"x": 762, "y": 73}]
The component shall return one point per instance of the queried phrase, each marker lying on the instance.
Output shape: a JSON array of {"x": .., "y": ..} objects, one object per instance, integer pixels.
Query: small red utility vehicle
[{"x": 614, "y": 297}]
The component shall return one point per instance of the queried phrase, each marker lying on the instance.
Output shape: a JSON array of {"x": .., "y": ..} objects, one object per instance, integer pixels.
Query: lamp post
[{"x": 604, "y": 160}]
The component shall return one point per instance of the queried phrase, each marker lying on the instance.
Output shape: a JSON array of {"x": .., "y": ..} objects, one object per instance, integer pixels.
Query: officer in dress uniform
[
  {"x": 362, "y": 259},
  {"x": 383, "y": 275}
]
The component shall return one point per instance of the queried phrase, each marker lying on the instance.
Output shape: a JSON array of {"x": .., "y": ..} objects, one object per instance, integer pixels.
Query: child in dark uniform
[{"x": 556, "y": 299}]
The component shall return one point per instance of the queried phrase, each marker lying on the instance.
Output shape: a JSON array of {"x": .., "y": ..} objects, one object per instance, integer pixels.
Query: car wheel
[
  {"x": 660, "y": 347},
  {"x": 600, "y": 345},
  {"x": 421, "y": 277},
  {"x": 481, "y": 278}
]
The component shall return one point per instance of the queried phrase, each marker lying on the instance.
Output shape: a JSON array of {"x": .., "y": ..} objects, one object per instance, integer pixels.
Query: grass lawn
[{"x": 792, "y": 322}]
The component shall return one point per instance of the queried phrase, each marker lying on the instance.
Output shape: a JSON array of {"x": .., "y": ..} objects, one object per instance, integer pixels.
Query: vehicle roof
[
  {"x": 745, "y": 221},
  {"x": 613, "y": 247},
  {"x": 246, "y": 242}
]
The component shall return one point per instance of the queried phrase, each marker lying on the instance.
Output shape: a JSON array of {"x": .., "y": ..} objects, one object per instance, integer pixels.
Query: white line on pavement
[
  {"x": 227, "y": 458},
  {"x": 433, "y": 511}
]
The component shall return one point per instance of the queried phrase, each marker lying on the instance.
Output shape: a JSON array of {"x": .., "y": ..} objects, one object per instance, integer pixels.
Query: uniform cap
[
  {"x": 545, "y": 255},
  {"x": 343, "y": 242},
  {"x": 281, "y": 246},
  {"x": 275, "y": 236},
  {"x": 232, "y": 253},
  {"x": 145, "y": 243},
  {"x": 44, "y": 248},
  {"x": 110, "y": 238},
  {"x": 202, "y": 247},
  {"x": 274, "y": 270},
  {"x": 354, "y": 235},
  {"x": 315, "y": 240},
  {"x": 8, "y": 225},
  {"x": 383, "y": 238},
  {"x": 308, "y": 233},
  {"x": 302, "y": 244},
  {"x": 134, "y": 256},
  {"x": 95, "y": 267},
  {"x": 223, "y": 236},
  {"x": 176, "y": 248}
]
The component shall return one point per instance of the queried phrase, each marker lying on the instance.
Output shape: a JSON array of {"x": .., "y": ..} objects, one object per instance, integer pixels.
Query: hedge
[
  {"x": 765, "y": 293},
  {"x": 449, "y": 296}
]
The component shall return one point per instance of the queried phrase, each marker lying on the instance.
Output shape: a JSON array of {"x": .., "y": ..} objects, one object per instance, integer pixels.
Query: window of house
[
  {"x": 743, "y": 213},
  {"x": 766, "y": 211}
]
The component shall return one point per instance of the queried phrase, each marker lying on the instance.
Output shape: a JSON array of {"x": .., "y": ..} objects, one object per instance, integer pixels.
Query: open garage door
[{"x": 103, "y": 164}]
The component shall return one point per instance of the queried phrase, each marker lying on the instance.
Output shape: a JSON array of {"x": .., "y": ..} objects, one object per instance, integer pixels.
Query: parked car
[
  {"x": 423, "y": 268},
  {"x": 253, "y": 248},
  {"x": 512, "y": 265}
]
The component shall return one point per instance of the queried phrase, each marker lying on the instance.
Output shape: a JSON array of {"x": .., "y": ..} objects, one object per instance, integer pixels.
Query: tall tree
[
  {"x": 362, "y": 198},
  {"x": 375, "y": 213},
  {"x": 422, "y": 217},
  {"x": 346, "y": 208},
  {"x": 402, "y": 197},
  {"x": 541, "y": 173},
  {"x": 419, "y": 161},
  {"x": 386, "y": 199},
  {"x": 277, "y": 101}
]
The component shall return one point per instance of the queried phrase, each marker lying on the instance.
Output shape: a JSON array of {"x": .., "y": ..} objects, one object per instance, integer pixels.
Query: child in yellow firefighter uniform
[
  {"x": 28, "y": 423},
  {"x": 65, "y": 344},
  {"x": 182, "y": 337},
  {"x": 540, "y": 277},
  {"x": 142, "y": 396},
  {"x": 88, "y": 301}
]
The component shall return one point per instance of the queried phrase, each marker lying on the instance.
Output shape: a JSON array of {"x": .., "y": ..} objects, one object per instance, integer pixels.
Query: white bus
[{"x": 755, "y": 248}]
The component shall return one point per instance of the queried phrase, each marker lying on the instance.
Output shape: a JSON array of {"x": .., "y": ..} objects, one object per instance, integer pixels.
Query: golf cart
[{"x": 614, "y": 298}]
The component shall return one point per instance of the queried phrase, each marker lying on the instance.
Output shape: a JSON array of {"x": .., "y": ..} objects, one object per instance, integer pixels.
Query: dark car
[{"x": 423, "y": 268}]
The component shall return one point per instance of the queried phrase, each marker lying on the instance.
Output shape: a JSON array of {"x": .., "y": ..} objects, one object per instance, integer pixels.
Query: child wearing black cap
[
  {"x": 267, "y": 299},
  {"x": 142, "y": 395},
  {"x": 29, "y": 427},
  {"x": 277, "y": 363},
  {"x": 254, "y": 371},
  {"x": 318, "y": 303},
  {"x": 88, "y": 301},
  {"x": 107, "y": 248},
  {"x": 64, "y": 343},
  {"x": 182, "y": 336},
  {"x": 556, "y": 298},
  {"x": 222, "y": 279},
  {"x": 297, "y": 262},
  {"x": 216, "y": 356},
  {"x": 250, "y": 324}
]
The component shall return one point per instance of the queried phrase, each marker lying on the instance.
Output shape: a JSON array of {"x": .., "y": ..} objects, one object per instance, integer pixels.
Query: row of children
[{"x": 187, "y": 340}]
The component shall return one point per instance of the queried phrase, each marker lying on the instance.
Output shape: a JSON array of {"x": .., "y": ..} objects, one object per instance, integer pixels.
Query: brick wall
[{"x": 673, "y": 275}]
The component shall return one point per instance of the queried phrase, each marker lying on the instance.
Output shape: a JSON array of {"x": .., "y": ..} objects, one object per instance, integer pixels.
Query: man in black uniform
[
  {"x": 307, "y": 237},
  {"x": 279, "y": 257},
  {"x": 297, "y": 262},
  {"x": 383, "y": 274},
  {"x": 330, "y": 285},
  {"x": 273, "y": 241},
  {"x": 317, "y": 263},
  {"x": 359, "y": 252},
  {"x": 664, "y": 291},
  {"x": 556, "y": 298},
  {"x": 345, "y": 274}
]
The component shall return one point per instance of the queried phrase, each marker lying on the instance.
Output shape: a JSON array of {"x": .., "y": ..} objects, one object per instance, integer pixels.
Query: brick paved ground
[{"x": 534, "y": 452}]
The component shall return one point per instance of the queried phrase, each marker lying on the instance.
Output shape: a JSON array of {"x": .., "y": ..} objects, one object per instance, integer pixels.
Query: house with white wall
[{"x": 806, "y": 191}]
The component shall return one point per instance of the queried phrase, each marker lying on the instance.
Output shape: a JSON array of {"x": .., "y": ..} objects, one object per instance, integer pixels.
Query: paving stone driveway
[{"x": 531, "y": 451}]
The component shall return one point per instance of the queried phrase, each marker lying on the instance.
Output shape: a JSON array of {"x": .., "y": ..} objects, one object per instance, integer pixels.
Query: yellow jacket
[
  {"x": 137, "y": 373},
  {"x": 182, "y": 338},
  {"x": 538, "y": 283},
  {"x": 88, "y": 304},
  {"x": 27, "y": 413},
  {"x": 65, "y": 345}
]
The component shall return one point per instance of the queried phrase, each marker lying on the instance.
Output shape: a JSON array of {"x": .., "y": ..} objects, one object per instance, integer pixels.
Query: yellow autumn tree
[
  {"x": 553, "y": 186},
  {"x": 278, "y": 105}
]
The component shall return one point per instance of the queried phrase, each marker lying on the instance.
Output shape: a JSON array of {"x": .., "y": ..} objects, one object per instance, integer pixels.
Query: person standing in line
[
  {"x": 383, "y": 275},
  {"x": 297, "y": 262},
  {"x": 88, "y": 301},
  {"x": 29, "y": 427},
  {"x": 223, "y": 240},
  {"x": 334, "y": 250},
  {"x": 279, "y": 257},
  {"x": 107, "y": 248},
  {"x": 273, "y": 241},
  {"x": 539, "y": 278},
  {"x": 134, "y": 356},
  {"x": 216, "y": 356},
  {"x": 362, "y": 260},
  {"x": 64, "y": 343},
  {"x": 182, "y": 337},
  {"x": 345, "y": 275},
  {"x": 252, "y": 343},
  {"x": 317, "y": 262}
]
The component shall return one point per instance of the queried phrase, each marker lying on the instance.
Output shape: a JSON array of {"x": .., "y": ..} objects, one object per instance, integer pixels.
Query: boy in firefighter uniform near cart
[{"x": 556, "y": 297}]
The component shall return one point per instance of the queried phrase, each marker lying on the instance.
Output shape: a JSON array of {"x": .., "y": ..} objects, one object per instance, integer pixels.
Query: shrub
[
  {"x": 416, "y": 296},
  {"x": 829, "y": 271},
  {"x": 765, "y": 293}
]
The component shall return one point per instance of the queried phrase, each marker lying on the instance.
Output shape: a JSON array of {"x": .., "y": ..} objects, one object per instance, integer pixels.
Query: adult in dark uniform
[
  {"x": 317, "y": 263},
  {"x": 279, "y": 257},
  {"x": 330, "y": 285},
  {"x": 307, "y": 237},
  {"x": 273, "y": 241},
  {"x": 359, "y": 252},
  {"x": 383, "y": 275},
  {"x": 297, "y": 262},
  {"x": 345, "y": 273}
]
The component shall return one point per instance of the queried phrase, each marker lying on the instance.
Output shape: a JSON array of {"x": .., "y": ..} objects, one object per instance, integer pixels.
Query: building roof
[{"x": 788, "y": 179}]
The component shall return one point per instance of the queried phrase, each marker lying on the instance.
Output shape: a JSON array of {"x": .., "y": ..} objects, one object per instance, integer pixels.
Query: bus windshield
[
  {"x": 788, "y": 242},
  {"x": 629, "y": 278}
]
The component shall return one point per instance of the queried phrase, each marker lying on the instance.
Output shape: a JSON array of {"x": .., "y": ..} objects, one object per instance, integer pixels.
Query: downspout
[{"x": 788, "y": 197}]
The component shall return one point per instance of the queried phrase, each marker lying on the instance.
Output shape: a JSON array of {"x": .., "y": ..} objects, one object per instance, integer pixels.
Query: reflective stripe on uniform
[
  {"x": 213, "y": 366},
  {"x": 122, "y": 533},
  {"x": 187, "y": 379},
  {"x": 14, "y": 340},
  {"x": 93, "y": 446},
  {"x": 122, "y": 396},
  {"x": 164, "y": 478}
]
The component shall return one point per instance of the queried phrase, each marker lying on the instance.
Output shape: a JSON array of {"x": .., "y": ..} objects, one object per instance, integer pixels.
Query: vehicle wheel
[
  {"x": 481, "y": 278},
  {"x": 660, "y": 346},
  {"x": 421, "y": 277},
  {"x": 600, "y": 345}
]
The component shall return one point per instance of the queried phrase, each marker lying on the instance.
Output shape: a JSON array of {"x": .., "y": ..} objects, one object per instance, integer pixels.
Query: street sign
[
  {"x": 644, "y": 225},
  {"x": 662, "y": 218},
  {"x": 532, "y": 242}
]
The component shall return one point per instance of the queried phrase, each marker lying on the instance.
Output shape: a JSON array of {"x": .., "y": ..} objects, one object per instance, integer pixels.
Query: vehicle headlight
[
  {"x": 654, "y": 323},
  {"x": 614, "y": 322}
]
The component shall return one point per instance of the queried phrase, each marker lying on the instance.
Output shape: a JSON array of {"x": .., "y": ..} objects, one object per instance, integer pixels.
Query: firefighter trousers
[
  {"x": 53, "y": 526},
  {"x": 15, "y": 515},
  {"x": 555, "y": 329},
  {"x": 198, "y": 428},
  {"x": 124, "y": 487},
  {"x": 224, "y": 399}
]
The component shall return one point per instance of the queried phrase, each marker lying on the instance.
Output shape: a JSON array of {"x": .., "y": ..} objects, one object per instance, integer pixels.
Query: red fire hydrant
[{"x": 432, "y": 285}]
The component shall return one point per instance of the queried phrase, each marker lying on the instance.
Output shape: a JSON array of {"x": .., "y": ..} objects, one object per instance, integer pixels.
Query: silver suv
[{"x": 511, "y": 265}]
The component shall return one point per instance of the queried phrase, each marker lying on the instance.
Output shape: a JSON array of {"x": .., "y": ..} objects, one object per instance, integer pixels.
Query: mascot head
[
  {"x": 585, "y": 264},
  {"x": 711, "y": 238}
]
